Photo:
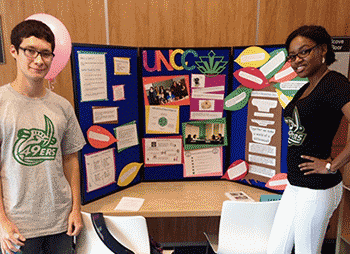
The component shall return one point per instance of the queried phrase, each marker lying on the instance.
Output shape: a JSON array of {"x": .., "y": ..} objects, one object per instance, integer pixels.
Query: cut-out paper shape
[
  {"x": 275, "y": 63},
  {"x": 128, "y": 173},
  {"x": 285, "y": 74},
  {"x": 252, "y": 57},
  {"x": 100, "y": 137},
  {"x": 236, "y": 171},
  {"x": 211, "y": 65},
  {"x": 283, "y": 99},
  {"x": 264, "y": 105},
  {"x": 290, "y": 88},
  {"x": 287, "y": 90},
  {"x": 278, "y": 182},
  {"x": 262, "y": 135},
  {"x": 237, "y": 99},
  {"x": 263, "y": 122},
  {"x": 251, "y": 77}
]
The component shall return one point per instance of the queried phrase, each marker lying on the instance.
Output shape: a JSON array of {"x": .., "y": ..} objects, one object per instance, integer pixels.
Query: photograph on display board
[
  {"x": 203, "y": 134},
  {"x": 166, "y": 90}
]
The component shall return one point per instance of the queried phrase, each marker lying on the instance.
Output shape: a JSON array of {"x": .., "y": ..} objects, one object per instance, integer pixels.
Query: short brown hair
[{"x": 29, "y": 28}]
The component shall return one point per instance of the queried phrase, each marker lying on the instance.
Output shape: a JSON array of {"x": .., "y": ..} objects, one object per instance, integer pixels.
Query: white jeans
[{"x": 302, "y": 218}]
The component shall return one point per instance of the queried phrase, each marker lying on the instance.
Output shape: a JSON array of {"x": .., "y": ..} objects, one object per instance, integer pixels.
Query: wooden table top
[{"x": 174, "y": 199}]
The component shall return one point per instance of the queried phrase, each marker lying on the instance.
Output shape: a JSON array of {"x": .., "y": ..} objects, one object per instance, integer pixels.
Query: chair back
[
  {"x": 245, "y": 226},
  {"x": 129, "y": 231}
]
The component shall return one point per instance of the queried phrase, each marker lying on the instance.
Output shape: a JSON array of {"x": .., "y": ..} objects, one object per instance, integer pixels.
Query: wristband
[{"x": 328, "y": 168}]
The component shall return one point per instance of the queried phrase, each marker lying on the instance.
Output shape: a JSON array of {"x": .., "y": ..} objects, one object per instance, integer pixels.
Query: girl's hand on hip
[{"x": 315, "y": 165}]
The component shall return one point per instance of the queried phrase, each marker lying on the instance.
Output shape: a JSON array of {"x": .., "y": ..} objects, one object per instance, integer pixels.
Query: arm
[
  {"x": 72, "y": 174},
  {"x": 319, "y": 166},
  {"x": 9, "y": 233}
]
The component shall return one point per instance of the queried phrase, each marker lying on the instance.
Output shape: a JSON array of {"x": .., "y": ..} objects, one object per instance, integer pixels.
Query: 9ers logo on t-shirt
[
  {"x": 296, "y": 130},
  {"x": 33, "y": 146}
]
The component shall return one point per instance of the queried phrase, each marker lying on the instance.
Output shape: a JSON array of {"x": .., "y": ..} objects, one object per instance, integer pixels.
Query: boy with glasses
[{"x": 39, "y": 140}]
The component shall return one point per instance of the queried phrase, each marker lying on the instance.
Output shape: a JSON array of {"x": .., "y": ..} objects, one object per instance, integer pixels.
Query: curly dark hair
[
  {"x": 29, "y": 28},
  {"x": 319, "y": 35}
]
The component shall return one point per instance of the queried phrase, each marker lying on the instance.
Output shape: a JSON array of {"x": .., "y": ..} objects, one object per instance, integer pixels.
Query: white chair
[
  {"x": 130, "y": 231},
  {"x": 244, "y": 227}
]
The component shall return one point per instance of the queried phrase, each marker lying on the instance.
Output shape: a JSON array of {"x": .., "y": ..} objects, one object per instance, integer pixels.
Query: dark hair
[
  {"x": 29, "y": 28},
  {"x": 319, "y": 35}
]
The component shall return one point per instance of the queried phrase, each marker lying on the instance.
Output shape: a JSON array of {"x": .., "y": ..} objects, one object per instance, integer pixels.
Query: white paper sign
[
  {"x": 100, "y": 169},
  {"x": 163, "y": 119},
  {"x": 203, "y": 162},
  {"x": 93, "y": 76},
  {"x": 130, "y": 204},
  {"x": 163, "y": 151},
  {"x": 127, "y": 136},
  {"x": 106, "y": 114}
]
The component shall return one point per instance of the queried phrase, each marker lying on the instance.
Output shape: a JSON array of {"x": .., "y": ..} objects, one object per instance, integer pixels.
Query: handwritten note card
[
  {"x": 100, "y": 169},
  {"x": 93, "y": 76}
]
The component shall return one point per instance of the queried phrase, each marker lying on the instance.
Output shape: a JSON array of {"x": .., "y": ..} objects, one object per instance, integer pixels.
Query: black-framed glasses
[
  {"x": 32, "y": 53},
  {"x": 302, "y": 54}
]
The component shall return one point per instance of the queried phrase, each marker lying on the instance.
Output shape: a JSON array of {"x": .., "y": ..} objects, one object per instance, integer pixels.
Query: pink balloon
[{"x": 63, "y": 43}]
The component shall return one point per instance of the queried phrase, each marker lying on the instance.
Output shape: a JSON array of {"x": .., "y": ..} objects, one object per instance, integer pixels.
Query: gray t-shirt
[{"x": 34, "y": 135}]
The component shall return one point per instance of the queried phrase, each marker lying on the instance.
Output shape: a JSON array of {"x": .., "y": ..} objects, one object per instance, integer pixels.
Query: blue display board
[
  {"x": 238, "y": 126},
  {"x": 172, "y": 63},
  {"x": 116, "y": 61},
  {"x": 156, "y": 67}
]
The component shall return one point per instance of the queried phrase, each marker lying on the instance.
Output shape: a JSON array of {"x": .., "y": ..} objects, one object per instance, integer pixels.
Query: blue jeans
[{"x": 51, "y": 244}]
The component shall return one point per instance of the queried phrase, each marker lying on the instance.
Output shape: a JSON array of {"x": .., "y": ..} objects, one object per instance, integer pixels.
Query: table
[{"x": 177, "y": 213}]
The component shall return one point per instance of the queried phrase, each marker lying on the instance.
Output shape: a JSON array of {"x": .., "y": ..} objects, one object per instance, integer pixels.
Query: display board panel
[
  {"x": 203, "y": 73},
  {"x": 106, "y": 99},
  {"x": 259, "y": 134}
]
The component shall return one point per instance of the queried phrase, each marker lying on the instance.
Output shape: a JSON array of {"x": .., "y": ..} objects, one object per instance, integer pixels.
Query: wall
[
  {"x": 174, "y": 23},
  {"x": 84, "y": 20}
]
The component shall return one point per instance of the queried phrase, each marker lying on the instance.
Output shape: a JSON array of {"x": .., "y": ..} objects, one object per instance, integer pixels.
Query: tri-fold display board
[{"x": 171, "y": 114}]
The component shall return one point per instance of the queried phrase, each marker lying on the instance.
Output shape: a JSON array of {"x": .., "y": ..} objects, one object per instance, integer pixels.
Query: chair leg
[{"x": 208, "y": 247}]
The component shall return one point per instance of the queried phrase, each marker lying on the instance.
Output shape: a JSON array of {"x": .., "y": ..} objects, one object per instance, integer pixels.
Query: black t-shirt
[{"x": 313, "y": 122}]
